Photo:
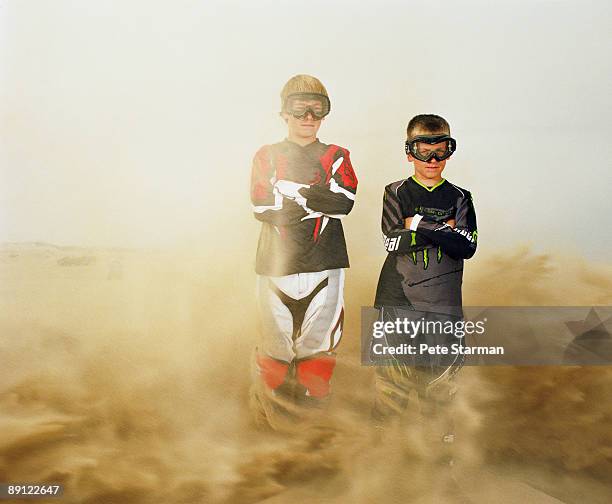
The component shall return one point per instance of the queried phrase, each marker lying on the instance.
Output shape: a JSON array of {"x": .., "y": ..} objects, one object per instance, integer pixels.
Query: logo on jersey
[
  {"x": 392, "y": 244},
  {"x": 472, "y": 236},
  {"x": 437, "y": 214}
]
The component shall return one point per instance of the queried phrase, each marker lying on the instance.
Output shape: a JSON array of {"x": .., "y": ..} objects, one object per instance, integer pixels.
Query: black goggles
[
  {"x": 420, "y": 147},
  {"x": 300, "y": 104}
]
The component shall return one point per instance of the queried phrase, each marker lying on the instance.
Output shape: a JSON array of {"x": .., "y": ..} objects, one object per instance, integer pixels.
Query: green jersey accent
[
  {"x": 412, "y": 243},
  {"x": 427, "y": 187}
]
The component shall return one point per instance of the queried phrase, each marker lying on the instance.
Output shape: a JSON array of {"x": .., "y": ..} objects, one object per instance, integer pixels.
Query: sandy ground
[{"x": 125, "y": 377}]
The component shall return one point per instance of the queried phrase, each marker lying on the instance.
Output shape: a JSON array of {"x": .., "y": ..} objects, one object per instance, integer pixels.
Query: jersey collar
[
  {"x": 430, "y": 189},
  {"x": 307, "y": 146}
]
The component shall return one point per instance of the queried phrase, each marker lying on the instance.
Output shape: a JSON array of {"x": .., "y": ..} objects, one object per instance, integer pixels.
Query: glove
[{"x": 290, "y": 190}]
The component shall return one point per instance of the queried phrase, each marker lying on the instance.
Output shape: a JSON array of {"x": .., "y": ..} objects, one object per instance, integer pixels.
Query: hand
[
  {"x": 407, "y": 222},
  {"x": 451, "y": 222}
]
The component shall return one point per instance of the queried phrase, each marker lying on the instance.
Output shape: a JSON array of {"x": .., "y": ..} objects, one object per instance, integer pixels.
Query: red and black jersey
[{"x": 300, "y": 193}]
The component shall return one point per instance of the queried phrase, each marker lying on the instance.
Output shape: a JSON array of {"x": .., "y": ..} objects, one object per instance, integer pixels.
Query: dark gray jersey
[{"x": 424, "y": 265}]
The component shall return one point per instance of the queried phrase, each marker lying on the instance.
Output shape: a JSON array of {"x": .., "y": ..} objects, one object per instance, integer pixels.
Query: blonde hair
[{"x": 302, "y": 84}]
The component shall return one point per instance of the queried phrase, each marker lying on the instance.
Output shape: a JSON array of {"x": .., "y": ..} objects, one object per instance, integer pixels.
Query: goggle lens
[
  {"x": 300, "y": 104},
  {"x": 421, "y": 147},
  {"x": 425, "y": 153}
]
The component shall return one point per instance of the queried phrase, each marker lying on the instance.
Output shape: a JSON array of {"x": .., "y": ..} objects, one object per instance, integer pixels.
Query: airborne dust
[{"x": 126, "y": 372}]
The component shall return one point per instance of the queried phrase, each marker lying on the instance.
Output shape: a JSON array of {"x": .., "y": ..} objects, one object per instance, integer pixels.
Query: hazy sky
[{"x": 134, "y": 122}]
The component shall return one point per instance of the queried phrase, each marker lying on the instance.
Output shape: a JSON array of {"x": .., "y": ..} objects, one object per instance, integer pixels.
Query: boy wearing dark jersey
[
  {"x": 301, "y": 188},
  {"x": 429, "y": 228}
]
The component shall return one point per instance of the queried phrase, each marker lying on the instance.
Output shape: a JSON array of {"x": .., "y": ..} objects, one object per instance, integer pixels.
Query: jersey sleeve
[
  {"x": 458, "y": 242},
  {"x": 397, "y": 239},
  {"x": 336, "y": 197},
  {"x": 269, "y": 205}
]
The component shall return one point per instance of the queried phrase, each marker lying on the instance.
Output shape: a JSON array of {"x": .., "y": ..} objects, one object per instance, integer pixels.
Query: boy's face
[
  {"x": 306, "y": 127},
  {"x": 428, "y": 170}
]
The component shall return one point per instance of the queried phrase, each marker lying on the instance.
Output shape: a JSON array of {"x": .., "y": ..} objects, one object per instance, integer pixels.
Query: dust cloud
[{"x": 125, "y": 377}]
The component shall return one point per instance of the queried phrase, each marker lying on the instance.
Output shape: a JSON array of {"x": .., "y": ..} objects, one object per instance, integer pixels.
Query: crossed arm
[
  {"x": 284, "y": 202},
  {"x": 456, "y": 237}
]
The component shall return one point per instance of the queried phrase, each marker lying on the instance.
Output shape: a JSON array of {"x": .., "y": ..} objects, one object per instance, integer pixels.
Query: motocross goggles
[
  {"x": 421, "y": 147},
  {"x": 299, "y": 104}
]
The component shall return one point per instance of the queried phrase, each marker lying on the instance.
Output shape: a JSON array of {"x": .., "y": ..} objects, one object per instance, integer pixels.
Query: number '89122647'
[{"x": 30, "y": 490}]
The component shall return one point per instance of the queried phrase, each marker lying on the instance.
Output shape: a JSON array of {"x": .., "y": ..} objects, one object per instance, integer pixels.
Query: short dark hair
[{"x": 429, "y": 123}]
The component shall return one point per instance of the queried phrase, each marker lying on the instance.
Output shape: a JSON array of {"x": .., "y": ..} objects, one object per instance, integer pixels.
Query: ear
[
  {"x": 285, "y": 116},
  {"x": 410, "y": 158}
]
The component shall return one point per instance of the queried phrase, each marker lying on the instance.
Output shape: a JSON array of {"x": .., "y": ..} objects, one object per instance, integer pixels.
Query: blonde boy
[{"x": 301, "y": 188}]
